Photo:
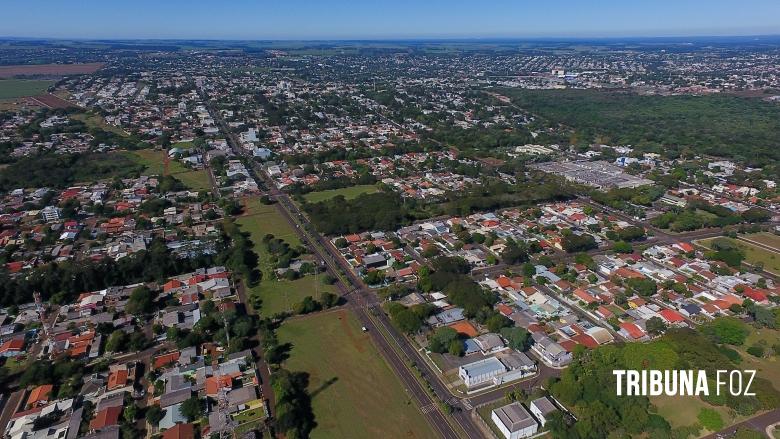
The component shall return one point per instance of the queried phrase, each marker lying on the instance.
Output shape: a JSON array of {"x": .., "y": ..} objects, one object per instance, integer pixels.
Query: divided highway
[{"x": 395, "y": 349}]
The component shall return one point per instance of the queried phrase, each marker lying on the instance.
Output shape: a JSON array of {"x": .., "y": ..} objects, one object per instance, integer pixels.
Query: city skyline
[{"x": 340, "y": 20}]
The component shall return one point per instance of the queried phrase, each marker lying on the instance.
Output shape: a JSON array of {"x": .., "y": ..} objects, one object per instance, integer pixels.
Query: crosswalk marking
[{"x": 428, "y": 408}]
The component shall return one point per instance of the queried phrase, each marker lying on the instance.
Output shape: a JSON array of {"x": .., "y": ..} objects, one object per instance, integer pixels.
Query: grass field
[
  {"x": 354, "y": 392},
  {"x": 276, "y": 295},
  {"x": 753, "y": 254},
  {"x": 154, "y": 161},
  {"x": 182, "y": 145},
  {"x": 260, "y": 219},
  {"x": 765, "y": 238},
  {"x": 19, "y": 88},
  {"x": 768, "y": 367},
  {"x": 348, "y": 193},
  {"x": 282, "y": 295},
  {"x": 682, "y": 411},
  {"x": 96, "y": 121}
]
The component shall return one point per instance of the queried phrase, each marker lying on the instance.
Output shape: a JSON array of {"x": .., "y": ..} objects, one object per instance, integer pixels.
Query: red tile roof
[
  {"x": 14, "y": 344},
  {"x": 117, "y": 379},
  {"x": 166, "y": 359},
  {"x": 180, "y": 431},
  {"x": 632, "y": 329},
  {"x": 106, "y": 418},
  {"x": 586, "y": 340},
  {"x": 671, "y": 316},
  {"x": 39, "y": 394}
]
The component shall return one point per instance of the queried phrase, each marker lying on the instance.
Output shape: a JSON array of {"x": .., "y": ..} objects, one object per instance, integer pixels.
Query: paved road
[
  {"x": 360, "y": 299},
  {"x": 758, "y": 423}
]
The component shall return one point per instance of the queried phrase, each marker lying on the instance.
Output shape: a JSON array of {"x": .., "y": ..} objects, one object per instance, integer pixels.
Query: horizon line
[{"x": 400, "y": 38}]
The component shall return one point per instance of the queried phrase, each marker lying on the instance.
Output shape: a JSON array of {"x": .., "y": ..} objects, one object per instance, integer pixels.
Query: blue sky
[{"x": 383, "y": 19}]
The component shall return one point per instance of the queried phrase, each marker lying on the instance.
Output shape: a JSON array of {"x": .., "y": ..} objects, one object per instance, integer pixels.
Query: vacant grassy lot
[
  {"x": 682, "y": 411},
  {"x": 19, "y": 88},
  {"x": 348, "y": 193},
  {"x": 182, "y": 145},
  {"x": 150, "y": 158},
  {"x": 260, "y": 219},
  {"x": 282, "y": 295},
  {"x": 354, "y": 392},
  {"x": 96, "y": 121},
  {"x": 769, "y": 366},
  {"x": 753, "y": 254},
  {"x": 154, "y": 161},
  {"x": 765, "y": 238},
  {"x": 276, "y": 295}
]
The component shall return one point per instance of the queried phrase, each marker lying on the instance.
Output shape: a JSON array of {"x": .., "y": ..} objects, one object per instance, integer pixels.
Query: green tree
[
  {"x": 329, "y": 300},
  {"x": 655, "y": 326},
  {"x": 456, "y": 348},
  {"x": 408, "y": 321},
  {"x": 141, "y": 301},
  {"x": 497, "y": 321},
  {"x": 727, "y": 330},
  {"x": 192, "y": 408},
  {"x": 154, "y": 414},
  {"x": 622, "y": 247},
  {"x": 116, "y": 341},
  {"x": 710, "y": 419},
  {"x": 517, "y": 338}
]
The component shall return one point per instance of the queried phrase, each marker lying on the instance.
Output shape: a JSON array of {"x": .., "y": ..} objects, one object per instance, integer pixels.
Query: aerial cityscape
[{"x": 332, "y": 221}]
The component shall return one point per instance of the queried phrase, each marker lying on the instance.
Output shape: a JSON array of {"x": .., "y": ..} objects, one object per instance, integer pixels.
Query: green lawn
[
  {"x": 154, "y": 160},
  {"x": 14, "y": 366},
  {"x": 767, "y": 367},
  {"x": 348, "y": 193},
  {"x": 260, "y": 219},
  {"x": 277, "y": 296},
  {"x": 97, "y": 121},
  {"x": 253, "y": 413},
  {"x": 682, "y": 411},
  {"x": 354, "y": 392},
  {"x": 182, "y": 145},
  {"x": 765, "y": 238},
  {"x": 753, "y": 254},
  {"x": 282, "y": 295},
  {"x": 19, "y": 88}
]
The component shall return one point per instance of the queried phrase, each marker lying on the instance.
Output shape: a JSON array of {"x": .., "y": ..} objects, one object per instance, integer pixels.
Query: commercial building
[
  {"x": 542, "y": 409},
  {"x": 514, "y": 421}
]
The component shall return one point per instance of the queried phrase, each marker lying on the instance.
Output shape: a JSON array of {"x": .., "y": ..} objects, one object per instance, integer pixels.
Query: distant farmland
[
  {"x": 48, "y": 70},
  {"x": 20, "y": 88}
]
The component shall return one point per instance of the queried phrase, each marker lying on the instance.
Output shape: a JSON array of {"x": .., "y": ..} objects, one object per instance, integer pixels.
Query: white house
[{"x": 50, "y": 213}]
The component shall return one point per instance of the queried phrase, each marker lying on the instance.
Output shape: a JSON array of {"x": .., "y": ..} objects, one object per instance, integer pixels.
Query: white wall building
[{"x": 514, "y": 421}]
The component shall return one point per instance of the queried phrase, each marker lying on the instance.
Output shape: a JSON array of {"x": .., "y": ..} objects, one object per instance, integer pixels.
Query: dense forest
[
  {"x": 741, "y": 128},
  {"x": 379, "y": 211},
  {"x": 62, "y": 170}
]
